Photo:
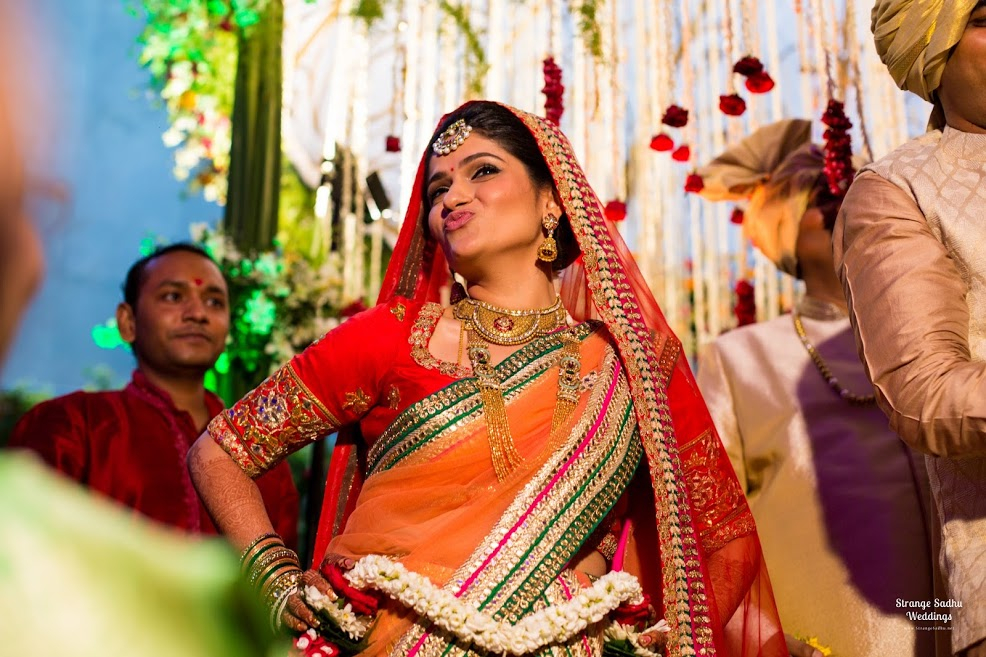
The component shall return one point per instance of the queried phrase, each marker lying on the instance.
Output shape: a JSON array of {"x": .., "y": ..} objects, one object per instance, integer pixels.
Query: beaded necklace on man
[{"x": 818, "y": 309}]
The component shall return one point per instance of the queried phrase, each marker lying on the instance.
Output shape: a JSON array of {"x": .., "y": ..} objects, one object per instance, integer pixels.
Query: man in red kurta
[{"x": 130, "y": 444}]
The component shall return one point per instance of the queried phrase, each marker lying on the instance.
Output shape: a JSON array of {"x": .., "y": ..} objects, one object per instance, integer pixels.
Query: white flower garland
[
  {"x": 620, "y": 632},
  {"x": 554, "y": 624},
  {"x": 350, "y": 623}
]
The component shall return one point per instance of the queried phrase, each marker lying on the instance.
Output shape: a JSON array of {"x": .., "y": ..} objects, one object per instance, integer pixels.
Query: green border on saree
[{"x": 461, "y": 399}]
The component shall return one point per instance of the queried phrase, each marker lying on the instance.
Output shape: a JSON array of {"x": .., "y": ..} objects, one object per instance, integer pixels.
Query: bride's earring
[
  {"x": 548, "y": 251},
  {"x": 458, "y": 292}
]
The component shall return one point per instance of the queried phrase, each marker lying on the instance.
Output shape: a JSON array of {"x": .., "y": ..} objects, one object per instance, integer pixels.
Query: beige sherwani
[
  {"x": 910, "y": 248},
  {"x": 837, "y": 497}
]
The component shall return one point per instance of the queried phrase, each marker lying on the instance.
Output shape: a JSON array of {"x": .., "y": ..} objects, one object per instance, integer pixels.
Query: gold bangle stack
[{"x": 273, "y": 571}]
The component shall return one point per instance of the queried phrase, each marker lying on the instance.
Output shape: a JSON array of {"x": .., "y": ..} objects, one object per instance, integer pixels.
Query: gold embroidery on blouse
[
  {"x": 278, "y": 417},
  {"x": 393, "y": 398},
  {"x": 357, "y": 401},
  {"x": 421, "y": 332},
  {"x": 399, "y": 310}
]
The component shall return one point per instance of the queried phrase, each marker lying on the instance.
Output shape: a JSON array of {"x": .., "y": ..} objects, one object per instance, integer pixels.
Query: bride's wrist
[{"x": 272, "y": 570}]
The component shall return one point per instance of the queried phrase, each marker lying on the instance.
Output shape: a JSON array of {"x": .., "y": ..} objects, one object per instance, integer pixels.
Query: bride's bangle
[
  {"x": 277, "y": 595},
  {"x": 258, "y": 547}
]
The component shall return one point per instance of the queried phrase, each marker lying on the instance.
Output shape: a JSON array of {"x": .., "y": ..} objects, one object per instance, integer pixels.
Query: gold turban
[
  {"x": 774, "y": 170},
  {"x": 915, "y": 37}
]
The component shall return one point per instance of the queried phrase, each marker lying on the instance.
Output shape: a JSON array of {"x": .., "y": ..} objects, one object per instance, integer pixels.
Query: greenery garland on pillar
[
  {"x": 251, "y": 213},
  {"x": 255, "y": 154}
]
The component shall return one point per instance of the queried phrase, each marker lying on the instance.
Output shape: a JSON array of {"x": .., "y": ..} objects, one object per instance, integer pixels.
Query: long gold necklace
[
  {"x": 825, "y": 370},
  {"x": 509, "y": 327},
  {"x": 532, "y": 323}
]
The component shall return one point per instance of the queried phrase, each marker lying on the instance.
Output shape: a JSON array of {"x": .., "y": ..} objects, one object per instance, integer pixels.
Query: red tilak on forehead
[{"x": 197, "y": 281}]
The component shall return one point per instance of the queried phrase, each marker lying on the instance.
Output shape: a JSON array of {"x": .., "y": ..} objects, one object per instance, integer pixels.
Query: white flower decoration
[{"x": 554, "y": 624}]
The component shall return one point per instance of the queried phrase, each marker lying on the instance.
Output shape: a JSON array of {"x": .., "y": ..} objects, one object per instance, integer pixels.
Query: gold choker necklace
[{"x": 509, "y": 327}]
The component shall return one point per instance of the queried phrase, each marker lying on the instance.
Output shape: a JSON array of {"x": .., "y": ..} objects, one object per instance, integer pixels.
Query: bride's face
[{"x": 482, "y": 203}]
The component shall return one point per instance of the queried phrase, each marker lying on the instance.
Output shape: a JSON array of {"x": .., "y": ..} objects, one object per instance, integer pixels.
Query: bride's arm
[
  {"x": 732, "y": 569},
  {"x": 231, "y": 497},
  {"x": 237, "y": 508}
]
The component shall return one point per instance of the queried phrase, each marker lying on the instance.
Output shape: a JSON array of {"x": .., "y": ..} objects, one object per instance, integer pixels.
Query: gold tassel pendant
[
  {"x": 505, "y": 455},
  {"x": 569, "y": 381}
]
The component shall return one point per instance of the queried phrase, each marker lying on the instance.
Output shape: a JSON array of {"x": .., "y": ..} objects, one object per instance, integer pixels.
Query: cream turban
[
  {"x": 775, "y": 170},
  {"x": 914, "y": 38}
]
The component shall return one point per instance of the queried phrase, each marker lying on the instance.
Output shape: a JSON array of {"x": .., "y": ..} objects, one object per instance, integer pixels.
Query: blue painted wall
[{"x": 110, "y": 155}]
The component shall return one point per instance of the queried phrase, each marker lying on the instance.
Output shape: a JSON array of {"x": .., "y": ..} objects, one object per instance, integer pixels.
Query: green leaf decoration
[{"x": 107, "y": 336}]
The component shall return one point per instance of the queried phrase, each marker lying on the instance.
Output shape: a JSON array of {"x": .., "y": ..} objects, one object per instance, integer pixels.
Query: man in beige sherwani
[{"x": 910, "y": 249}]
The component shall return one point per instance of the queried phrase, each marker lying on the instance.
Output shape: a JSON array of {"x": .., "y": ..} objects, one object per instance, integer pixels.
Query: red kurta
[{"x": 131, "y": 444}]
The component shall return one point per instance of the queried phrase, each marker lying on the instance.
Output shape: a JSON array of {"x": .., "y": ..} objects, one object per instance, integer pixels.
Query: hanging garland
[
  {"x": 190, "y": 49},
  {"x": 588, "y": 12}
]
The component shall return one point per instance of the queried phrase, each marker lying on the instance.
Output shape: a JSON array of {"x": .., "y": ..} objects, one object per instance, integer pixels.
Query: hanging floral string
[
  {"x": 852, "y": 49},
  {"x": 745, "y": 309},
  {"x": 617, "y": 104},
  {"x": 553, "y": 90},
  {"x": 730, "y": 103},
  {"x": 838, "y": 166},
  {"x": 838, "y": 148},
  {"x": 675, "y": 116},
  {"x": 758, "y": 81},
  {"x": 399, "y": 72}
]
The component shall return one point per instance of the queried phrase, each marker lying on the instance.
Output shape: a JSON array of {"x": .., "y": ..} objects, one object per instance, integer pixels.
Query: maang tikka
[
  {"x": 548, "y": 251},
  {"x": 452, "y": 137}
]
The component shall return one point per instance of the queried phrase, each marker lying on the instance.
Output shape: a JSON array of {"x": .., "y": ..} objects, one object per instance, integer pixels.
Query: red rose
[
  {"x": 675, "y": 116},
  {"x": 748, "y": 66},
  {"x": 737, "y": 216},
  {"x": 835, "y": 116},
  {"x": 354, "y": 308},
  {"x": 627, "y": 614},
  {"x": 616, "y": 210},
  {"x": 393, "y": 144},
  {"x": 694, "y": 183},
  {"x": 732, "y": 105},
  {"x": 362, "y": 602},
  {"x": 682, "y": 154},
  {"x": 759, "y": 83},
  {"x": 661, "y": 142},
  {"x": 746, "y": 305}
]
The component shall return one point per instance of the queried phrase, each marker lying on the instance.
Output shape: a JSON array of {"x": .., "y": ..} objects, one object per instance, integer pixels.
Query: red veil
[{"x": 713, "y": 582}]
